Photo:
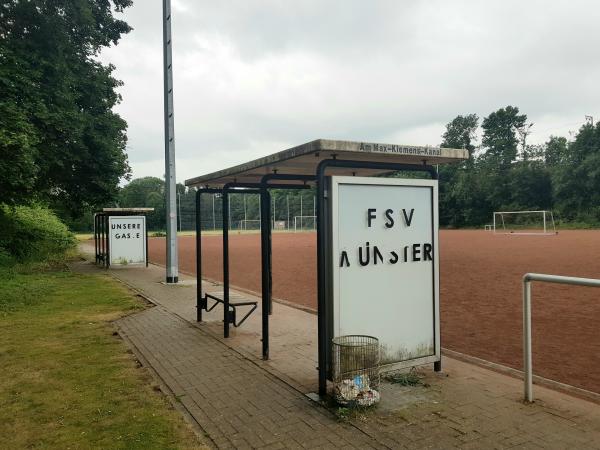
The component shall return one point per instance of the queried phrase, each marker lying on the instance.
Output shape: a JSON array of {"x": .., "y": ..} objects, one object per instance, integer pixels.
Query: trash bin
[{"x": 355, "y": 361}]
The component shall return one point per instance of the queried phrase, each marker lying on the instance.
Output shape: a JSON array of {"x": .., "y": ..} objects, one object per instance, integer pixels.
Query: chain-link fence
[{"x": 291, "y": 210}]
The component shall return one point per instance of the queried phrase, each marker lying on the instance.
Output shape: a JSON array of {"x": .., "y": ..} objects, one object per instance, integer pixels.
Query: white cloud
[{"x": 256, "y": 77}]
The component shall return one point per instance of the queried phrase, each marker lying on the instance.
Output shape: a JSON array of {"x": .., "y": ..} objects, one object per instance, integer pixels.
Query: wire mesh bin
[{"x": 356, "y": 370}]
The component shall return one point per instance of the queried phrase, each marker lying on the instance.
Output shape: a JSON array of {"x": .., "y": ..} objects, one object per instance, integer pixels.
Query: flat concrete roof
[
  {"x": 127, "y": 210},
  {"x": 304, "y": 159}
]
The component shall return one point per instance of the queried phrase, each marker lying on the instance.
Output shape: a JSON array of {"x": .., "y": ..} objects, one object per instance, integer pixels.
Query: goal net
[
  {"x": 524, "y": 222},
  {"x": 305, "y": 223},
  {"x": 247, "y": 224}
]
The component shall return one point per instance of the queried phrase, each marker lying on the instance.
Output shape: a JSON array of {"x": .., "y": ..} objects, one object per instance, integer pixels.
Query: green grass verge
[{"x": 67, "y": 381}]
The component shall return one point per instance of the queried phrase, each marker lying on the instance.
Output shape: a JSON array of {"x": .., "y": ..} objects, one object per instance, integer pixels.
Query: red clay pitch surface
[{"x": 480, "y": 294}]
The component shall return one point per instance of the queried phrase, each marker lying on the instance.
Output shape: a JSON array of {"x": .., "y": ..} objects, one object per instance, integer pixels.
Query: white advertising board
[
  {"x": 127, "y": 240},
  {"x": 386, "y": 266}
]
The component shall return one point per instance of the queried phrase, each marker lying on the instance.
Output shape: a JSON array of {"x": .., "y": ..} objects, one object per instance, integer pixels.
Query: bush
[{"x": 32, "y": 233}]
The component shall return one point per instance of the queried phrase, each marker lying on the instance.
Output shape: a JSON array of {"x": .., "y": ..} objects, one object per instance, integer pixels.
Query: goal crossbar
[{"x": 548, "y": 225}]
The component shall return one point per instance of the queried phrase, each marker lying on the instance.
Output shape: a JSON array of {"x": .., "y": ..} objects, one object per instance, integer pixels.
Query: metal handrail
[{"x": 527, "y": 279}]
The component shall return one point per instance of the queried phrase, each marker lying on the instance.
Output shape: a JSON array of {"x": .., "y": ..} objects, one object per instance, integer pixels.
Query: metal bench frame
[{"x": 229, "y": 307}]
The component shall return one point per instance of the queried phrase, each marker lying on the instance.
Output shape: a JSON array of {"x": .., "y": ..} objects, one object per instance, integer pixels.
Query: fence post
[
  {"x": 527, "y": 363},
  {"x": 214, "y": 218},
  {"x": 528, "y": 278}
]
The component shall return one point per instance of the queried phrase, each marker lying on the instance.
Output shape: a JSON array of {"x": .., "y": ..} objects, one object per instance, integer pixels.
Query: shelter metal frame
[
  {"x": 229, "y": 306},
  {"x": 324, "y": 315},
  {"x": 309, "y": 163}
]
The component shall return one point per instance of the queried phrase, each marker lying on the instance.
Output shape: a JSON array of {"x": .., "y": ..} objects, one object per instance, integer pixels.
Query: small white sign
[
  {"x": 386, "y": 266},
  {"x": 127, "y": 240}
]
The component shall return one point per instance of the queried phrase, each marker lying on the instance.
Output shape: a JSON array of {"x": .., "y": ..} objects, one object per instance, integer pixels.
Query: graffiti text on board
[
  {"x": 371, "y": 254},
  {"x": 127, "y": 226}
]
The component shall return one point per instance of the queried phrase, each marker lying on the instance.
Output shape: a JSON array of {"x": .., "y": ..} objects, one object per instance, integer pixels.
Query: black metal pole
[
  {"x": 107, "y": 242},
  {"x": 99, "y": 241},
  {"x": 146, "y": 227},
  {"x": 225, "y": 261},
  {"x": 248, "y": 188},
  {"x": 264, "y": 182},
  {"x": 102, "y": 246},
  {"x": 96, "y": 237},
  {"x": 321, "y": 300},
  {"x": 199, "y": 301},
  {"x": 200, "y": 297},
  {"x": 106, "y": 231},
  {"x": 269, "y": 233},
  {"x": 437, "y": 365},
  {"x": 266, "y": 247},
  {"x": 265, "y": 222}
]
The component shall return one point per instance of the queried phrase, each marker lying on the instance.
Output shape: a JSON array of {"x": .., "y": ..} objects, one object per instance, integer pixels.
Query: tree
[
  {"x": 461, "y": 132},
  {"x": 530, "y": 187},
  {"x": 457, "y": 181},
  {"x": 60, "y": 141},
  {"x": 556, "y": 151},
  {"x": 500, "y": 135},
  {"x": 146, "y": 192},
  {"x": 576, "y": 180}
]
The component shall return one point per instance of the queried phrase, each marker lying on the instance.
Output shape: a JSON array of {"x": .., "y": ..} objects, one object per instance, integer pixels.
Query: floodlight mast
[{"x": 170, "y": 180}]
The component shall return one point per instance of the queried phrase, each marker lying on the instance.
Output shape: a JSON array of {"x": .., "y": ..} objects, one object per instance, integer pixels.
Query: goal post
[
  {"x": 524, "y": 223},
  {"x": 303, "y": 223},
  {"x": 249, "y": 224}
]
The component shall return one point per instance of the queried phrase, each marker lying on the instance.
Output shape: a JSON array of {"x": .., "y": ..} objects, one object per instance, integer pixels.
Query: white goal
[
  {"x": 539, "y": 223},
  {"x": 303, "y": 223},
  {"x": 248, "y": 224}
]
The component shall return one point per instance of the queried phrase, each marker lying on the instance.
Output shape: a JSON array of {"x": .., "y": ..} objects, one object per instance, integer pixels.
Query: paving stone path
[
  {"x": 239, "y": 401},
  {"x": 235, "y": 402}
]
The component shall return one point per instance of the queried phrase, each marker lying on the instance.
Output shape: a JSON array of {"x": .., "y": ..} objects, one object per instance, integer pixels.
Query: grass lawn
[{"x": 66, "y": 380}]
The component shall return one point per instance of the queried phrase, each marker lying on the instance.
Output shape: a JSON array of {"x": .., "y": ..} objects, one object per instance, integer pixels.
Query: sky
[{"x": 255, "y": 77}]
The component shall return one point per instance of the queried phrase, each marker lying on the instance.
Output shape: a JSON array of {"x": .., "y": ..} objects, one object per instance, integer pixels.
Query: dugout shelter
[
  {"x": 357, "y": 287},
  {"x": 121, "y": 236}
]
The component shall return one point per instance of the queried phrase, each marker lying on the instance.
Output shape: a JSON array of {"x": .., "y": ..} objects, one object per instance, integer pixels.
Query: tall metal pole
[{"x": 170, "y": 183}]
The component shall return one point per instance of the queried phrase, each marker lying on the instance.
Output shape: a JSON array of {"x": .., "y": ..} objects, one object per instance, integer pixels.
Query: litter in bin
[{"x": 357, "y": 391}]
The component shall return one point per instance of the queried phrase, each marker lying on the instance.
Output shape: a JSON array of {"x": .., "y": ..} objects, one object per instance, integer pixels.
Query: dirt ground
[{"x": 480, "y": 293}]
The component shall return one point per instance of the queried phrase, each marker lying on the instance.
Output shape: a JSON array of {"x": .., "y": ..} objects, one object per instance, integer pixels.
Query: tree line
[
  {"x": 504, "y": 173},
  {"x": 62, "y": 146}
]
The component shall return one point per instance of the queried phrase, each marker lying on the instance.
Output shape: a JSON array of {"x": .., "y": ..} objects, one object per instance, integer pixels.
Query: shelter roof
[
  {"x": 117, "y": 211},
  {"x": 304, "y": 159}
]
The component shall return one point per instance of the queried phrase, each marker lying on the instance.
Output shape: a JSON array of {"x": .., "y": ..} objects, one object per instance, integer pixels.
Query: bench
[{"x": 235, "y": 301}]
